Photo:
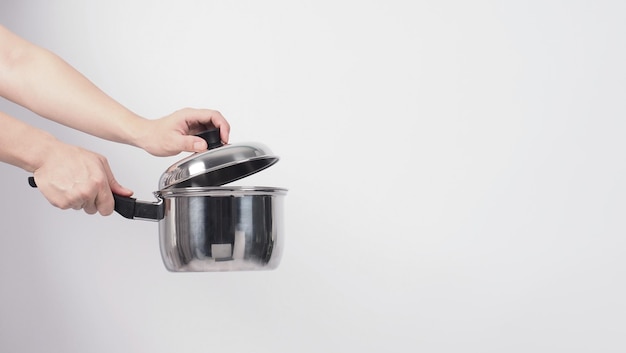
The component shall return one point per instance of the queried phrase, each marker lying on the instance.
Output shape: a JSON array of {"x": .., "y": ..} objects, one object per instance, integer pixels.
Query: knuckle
[
  {"x": 83, "y": 194},
  {"x": 99, "y": 183},
  {"x": 67, "y": 201},
  {"x": 62, "y": 204}
]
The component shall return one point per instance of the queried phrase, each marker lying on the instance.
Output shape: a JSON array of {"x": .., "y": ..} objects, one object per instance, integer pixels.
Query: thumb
[
  {"x": 194, "y": 144},
  {"x": 115, "y": 187},
  {"x": 118, "y": 189}
]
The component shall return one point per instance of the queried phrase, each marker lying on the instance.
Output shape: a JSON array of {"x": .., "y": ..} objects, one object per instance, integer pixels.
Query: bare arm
[
  {"x": 23, "y": 145},
  {"x": 41, "y": 81}
]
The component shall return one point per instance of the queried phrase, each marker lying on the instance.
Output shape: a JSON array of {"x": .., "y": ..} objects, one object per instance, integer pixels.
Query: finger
[
  {"x": 76, "y": 198},
  {"x": 208, "y": 117},
  {"x": 118, "y": 189},
  {"x": 90, "y": 208},
  {"x": 189, "y": 143},
  {"x": 225, "y": 133},
  {"x": 220, "y": 122},
  {"x": 104, "y": 200},
  {"x": 194, "y": 144}
]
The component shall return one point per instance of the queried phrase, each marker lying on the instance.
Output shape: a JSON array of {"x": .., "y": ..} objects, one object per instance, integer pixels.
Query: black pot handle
[{"x": 129, "y": 207}]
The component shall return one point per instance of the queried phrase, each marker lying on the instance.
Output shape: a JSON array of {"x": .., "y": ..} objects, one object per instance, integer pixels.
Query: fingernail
[{"x": 198, "y": 146}]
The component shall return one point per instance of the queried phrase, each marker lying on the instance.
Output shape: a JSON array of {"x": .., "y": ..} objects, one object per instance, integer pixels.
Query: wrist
[
  {"x": 136, "y": 130},
  {"x": 37, "y": 152}
]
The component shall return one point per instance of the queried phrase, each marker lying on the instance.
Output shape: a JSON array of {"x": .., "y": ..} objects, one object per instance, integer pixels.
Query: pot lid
[{"x": 219, "y": 165}]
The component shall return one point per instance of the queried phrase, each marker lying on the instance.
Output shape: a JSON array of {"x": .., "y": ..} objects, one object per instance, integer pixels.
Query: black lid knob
[{"x": 212, "y": 138}]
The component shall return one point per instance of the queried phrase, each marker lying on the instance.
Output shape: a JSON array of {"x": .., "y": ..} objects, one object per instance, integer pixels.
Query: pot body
[{"x": 221, "y": 228}]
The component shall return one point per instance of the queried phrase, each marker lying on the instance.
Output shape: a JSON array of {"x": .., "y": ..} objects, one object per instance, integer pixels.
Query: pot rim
[{"x": 221, "y": 191}]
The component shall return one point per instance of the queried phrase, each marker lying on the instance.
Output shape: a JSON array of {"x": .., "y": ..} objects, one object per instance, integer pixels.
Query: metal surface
[
  {"x": 222, "y": 228},
  {"x": 218, "y": 166}
]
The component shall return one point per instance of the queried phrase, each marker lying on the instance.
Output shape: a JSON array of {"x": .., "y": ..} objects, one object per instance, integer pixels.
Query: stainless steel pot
[
  {"x": 204, "y": 226},
  {"x": 215, "y": 228}
]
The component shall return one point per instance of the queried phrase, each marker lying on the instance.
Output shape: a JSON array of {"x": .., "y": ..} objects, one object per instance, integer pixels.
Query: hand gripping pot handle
[{"x": 129, "y": 207}]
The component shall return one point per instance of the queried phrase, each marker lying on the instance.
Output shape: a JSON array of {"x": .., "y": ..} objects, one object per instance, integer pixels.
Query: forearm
[
  {"x": 22, "y": 145},
  {"x": 42, "y": 82}
]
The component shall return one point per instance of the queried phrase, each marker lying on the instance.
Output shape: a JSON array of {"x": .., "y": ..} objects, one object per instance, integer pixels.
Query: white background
[{"x": 456, "y": 174}]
